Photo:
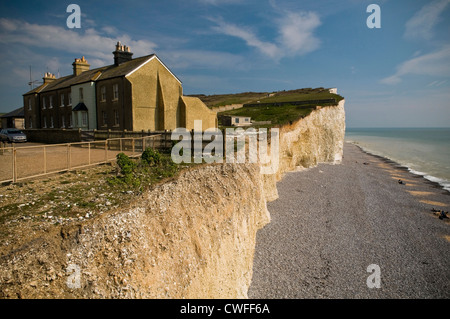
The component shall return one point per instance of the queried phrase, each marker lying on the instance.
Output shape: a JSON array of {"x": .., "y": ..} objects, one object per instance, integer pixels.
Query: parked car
[{"x": 12, "y": 135}]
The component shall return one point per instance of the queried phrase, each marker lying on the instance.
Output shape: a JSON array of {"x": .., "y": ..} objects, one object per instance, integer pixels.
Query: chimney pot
[
  {"x": 122, "y": 54},
  {"x": 80, "y": 66}
]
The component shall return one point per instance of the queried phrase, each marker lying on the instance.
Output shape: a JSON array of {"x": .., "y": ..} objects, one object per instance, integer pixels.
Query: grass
[
  {"x": 227, "y": 99},
  {"x": 278, "y": 115},
  {"x": 287, "y": 113},
  {"x": 300, "y": 97}
]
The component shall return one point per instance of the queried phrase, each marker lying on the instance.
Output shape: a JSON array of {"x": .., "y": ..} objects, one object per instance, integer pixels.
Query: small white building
[
  {"x": 333, "y": 90},
  {"x": 233, "y": 120}
]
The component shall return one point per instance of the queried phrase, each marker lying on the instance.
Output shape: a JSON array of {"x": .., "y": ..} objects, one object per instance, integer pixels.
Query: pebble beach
[{"x": 331, "y": 223}]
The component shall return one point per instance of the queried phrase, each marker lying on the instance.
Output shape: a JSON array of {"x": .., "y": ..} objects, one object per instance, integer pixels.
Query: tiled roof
[
  {"x": 16, "y": 113},
  {"x": 97, "y": 74}
]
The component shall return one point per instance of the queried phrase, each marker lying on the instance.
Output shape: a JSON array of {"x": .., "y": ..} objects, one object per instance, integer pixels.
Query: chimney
[
  {"x": 122, "y": 54},
  {"x": 80, "y": 65},
  {"x": 48, "y": 77}
]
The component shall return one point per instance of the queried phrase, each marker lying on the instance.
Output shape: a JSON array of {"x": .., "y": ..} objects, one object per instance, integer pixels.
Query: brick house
[{"x": 132, "y": 94}]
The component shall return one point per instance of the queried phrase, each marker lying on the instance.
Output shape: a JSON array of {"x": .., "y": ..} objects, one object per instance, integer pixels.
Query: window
[
  {"x": 62, "y": 100},
  {"x": 81, "y": 94},
  {"x": 29, "y": 103},
  {"x": 70, "y": 98},
  {"x": 44, "y": 103},
  {"x": 116, "y": 91},
  {"x": 70, "y": 120},
  {"x": 84, "y": 119},
  {"x": 30, "y": 122},
  {"x": 103, "y": 93},
  {"x": 51, "y": 121},
  {"x": 236, "y": 120},
  {"x": 116, "y": 117},
  {"x": 63, "y": 124},
  {"x": 45, "y": 122},
  {"x": 50, "y": 102},
  {"x": 105, "y": 118}
]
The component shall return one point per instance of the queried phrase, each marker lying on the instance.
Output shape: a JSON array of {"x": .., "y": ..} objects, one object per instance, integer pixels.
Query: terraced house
[{"x": 131, "y": 94}]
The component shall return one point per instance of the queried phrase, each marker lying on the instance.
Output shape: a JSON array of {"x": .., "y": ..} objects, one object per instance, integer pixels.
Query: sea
[{"x": 424, "y": 151}]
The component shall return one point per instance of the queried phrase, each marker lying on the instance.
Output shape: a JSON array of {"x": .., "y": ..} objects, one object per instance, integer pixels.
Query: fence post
[
  {"x": 89, "y": 153},
  {"x": 106, "y": 150},
  {"x": 132, "y": 145},
  {"x": 68, "y": 156},
  {"x": 14, "y": 165},
  {"x": 45, "y": 159}
]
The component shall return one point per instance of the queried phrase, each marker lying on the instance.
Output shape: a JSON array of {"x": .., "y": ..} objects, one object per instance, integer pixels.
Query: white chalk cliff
[{"x": 191, "y": 237}]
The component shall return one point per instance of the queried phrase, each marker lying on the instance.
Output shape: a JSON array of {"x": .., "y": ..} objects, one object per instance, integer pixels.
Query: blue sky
[{"x": 394, "y": 76}]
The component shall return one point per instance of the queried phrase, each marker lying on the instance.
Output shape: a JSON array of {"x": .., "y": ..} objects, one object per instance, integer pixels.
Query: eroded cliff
[{"x": 191, "y": 237}]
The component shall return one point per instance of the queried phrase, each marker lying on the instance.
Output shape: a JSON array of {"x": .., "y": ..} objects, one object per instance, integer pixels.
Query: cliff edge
[{"x": 191, "y": 237}]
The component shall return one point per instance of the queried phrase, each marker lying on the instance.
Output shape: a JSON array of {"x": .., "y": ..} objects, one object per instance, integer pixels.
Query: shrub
[
  {"x": 151, "y": 157},
  {"x": 125, "y": 163}
]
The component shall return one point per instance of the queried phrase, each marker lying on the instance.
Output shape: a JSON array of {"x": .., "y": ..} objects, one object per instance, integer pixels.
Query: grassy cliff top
[
  {"x": 286, "y": 112},
  {"x": 267, "y": 97}
]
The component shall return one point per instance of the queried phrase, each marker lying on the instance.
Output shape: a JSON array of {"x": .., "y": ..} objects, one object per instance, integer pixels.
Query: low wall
[{"x": 53, "y": 136}]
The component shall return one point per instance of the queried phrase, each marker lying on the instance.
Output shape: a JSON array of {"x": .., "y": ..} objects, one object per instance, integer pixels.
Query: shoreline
[
  {"x": 428, "y": 178},
  {"x": 331, "y": 222}
]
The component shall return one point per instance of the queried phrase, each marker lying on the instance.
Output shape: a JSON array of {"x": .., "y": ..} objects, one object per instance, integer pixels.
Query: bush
[
  {"x": 126, "y": 165},
  {"x": 151, "y": 157}
]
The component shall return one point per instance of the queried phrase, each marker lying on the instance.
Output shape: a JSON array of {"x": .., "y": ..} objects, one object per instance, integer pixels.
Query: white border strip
[{"x": 154, "y": 56}]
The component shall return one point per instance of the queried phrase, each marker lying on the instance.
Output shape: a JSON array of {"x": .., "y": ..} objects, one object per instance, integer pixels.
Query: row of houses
[{"x": 130, "y": 94}]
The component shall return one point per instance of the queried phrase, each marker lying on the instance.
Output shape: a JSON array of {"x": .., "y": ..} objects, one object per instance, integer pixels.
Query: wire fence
[{"x": 20, "y": 163}]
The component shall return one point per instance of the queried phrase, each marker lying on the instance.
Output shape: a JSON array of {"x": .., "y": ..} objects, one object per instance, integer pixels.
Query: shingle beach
[{"x": 331, "y": 222}]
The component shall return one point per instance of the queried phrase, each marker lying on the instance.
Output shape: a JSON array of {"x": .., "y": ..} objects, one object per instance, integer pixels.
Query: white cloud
[
  {"x": 433, "y": 64},
  {"x": 421, "y": 25},
  {"x": 87, "y": 42},
  {"x": 247, "y": 35},
  {"x": 295, "y": 34},
  {"x": 201, "y": 59}
]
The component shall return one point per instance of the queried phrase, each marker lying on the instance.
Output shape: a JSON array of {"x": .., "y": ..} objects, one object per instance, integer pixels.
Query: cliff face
[
  {"x": 191, "y": 237},
  {"x": 318, "y": 138}
]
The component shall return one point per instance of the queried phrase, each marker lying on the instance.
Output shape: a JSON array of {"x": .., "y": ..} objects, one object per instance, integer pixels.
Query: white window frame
[
  {"x": 44, "y": 103},
  {"x": 80, "y": 91},
  {"x": 116, "y": 118},
  {"x": 29, "y": 104},
  {"x": 62, "y": 100},
  {"x": 50, "y": 101},
  {"x": 52, "y": 124},
  {"x": 84, "y": 119},
  {"x": 70, "y": 98},
  {"x": 105, "y": 118},
  {"x": 103, "y": 93},
  {"x": 45, "y": 121},
  {"x": 63, "y": 124},
  {"x": 115, "y": 92}
]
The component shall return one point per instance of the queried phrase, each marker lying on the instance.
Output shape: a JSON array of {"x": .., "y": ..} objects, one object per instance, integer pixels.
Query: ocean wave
[{"x": 442, "y": 182}]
